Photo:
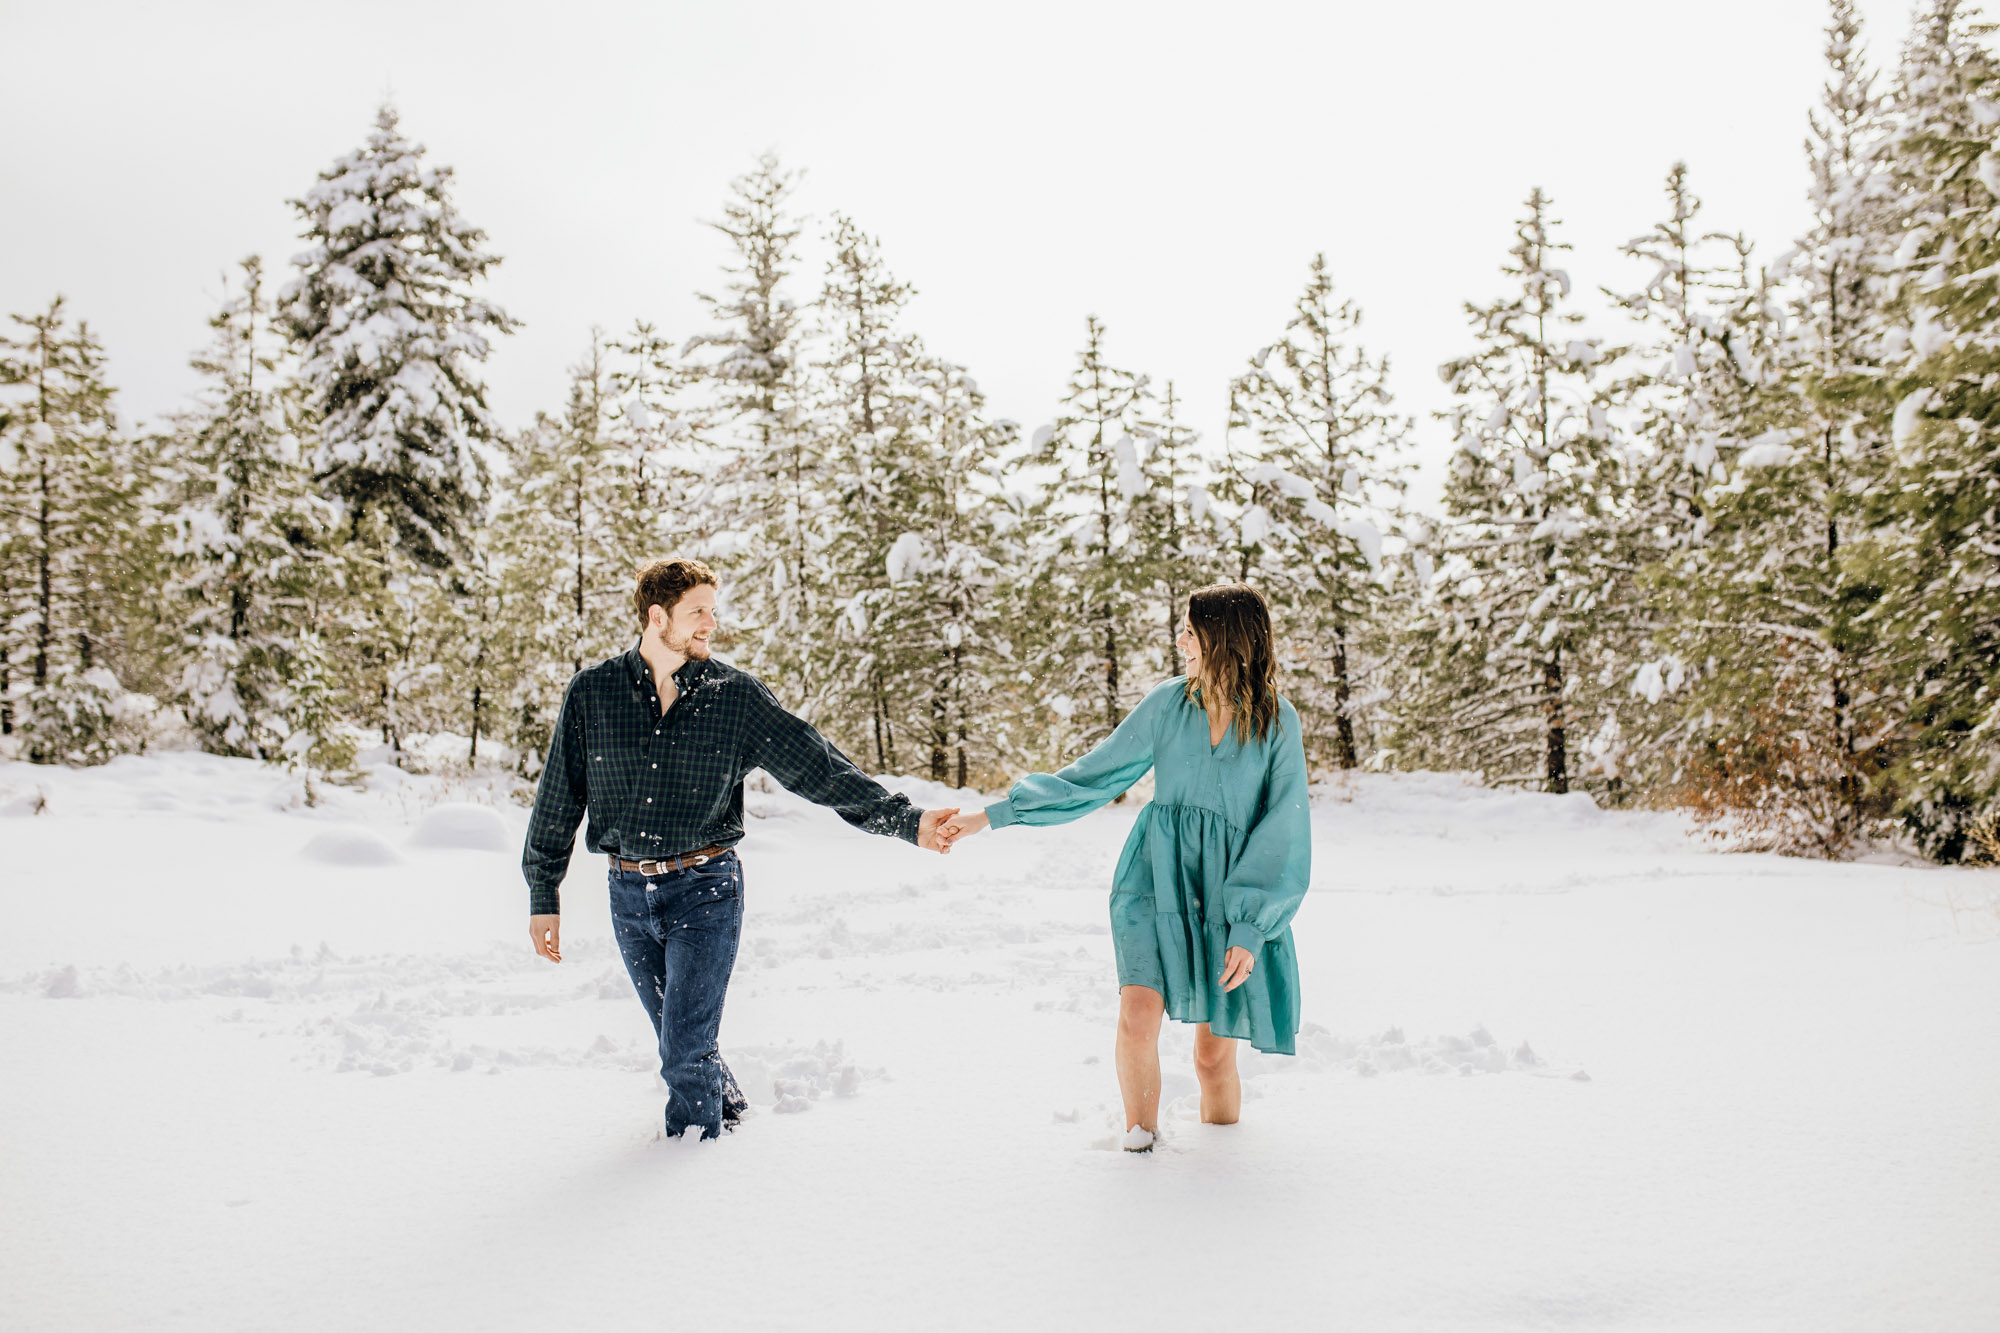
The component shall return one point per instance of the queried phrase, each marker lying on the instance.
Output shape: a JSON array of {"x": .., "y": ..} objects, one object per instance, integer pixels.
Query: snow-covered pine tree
[
  {"x": 478, "y": 644},
  {"x": 1091, "y": 579},
  {"x": 1508, "y": 655},
  {"x": 311, "y": 704},
  {"x": 1668, "y": 398},
  {"x": 882, "y": 469},
  {"x": 1782, "y": 705},
  {"x": 939, "y": 627},
  {"x": 247, "y": 535},
  {"x": 1680, "y": 396},
  {"x": 390, "y": 333},
  {"x": 569, "y": 536},
  {"x": 912, "y": 652},
  {"x": 67, "y": 499},
  {"x": 655, "y": 422},
  {"x": 771, "y": 493},
  {"x": 383, "y": 639},
  {"x": 1177, "y": 522},
  {"x": 1935, "y": 550},
  {"x": 1325, "y": 479}
]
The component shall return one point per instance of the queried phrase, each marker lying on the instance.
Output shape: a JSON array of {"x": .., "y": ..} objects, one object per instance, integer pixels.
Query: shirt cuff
[
  {"x": 1001, "y": 813},
  {"x": 1243, "y": 935},
  {"x": 544, "y": 902}
]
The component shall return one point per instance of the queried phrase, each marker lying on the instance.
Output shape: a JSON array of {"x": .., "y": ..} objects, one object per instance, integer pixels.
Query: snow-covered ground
[{"x": 270, "y": 1067}]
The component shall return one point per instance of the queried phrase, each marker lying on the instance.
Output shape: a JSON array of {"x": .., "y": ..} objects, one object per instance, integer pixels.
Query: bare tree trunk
[
  {"x": 940, "y": 735},
  {"x": 875, "y": 713},
  {"x": 1111, "y": 718},
  {"x": 958, "y": 706},
  {"x": 1342, "y": 722},
  {"x": 576, "y": 638},
  {"x": 1848, "y": 804},
  {"x": 45, "y": 589},
  {"x": 885, "y": 732},
  {"x": 1552, "y": 717},
  {"x": 478, "y": 699}
]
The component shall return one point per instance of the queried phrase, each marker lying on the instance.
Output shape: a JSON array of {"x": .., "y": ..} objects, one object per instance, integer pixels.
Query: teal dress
[{"x": 1219, "y": 857}]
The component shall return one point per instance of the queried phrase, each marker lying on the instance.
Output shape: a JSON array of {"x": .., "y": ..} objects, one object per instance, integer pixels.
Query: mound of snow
[
  {"x": 790, "y": 1078},
  {"x": 463, "y": 824},
  {"x": 24, "y": 805},
  {"x": 350, "y": 847}
]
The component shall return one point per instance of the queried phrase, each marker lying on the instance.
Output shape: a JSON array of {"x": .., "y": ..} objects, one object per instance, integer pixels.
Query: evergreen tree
[
  {"x": 1528, "y": 580},
  {"x": 655, "y": 424},
  {"x": 390, "y": 333},
  {"x": 1678, "y": 392},
  {"x": 1177, "y": 522},
  {"x": 67, "y": 495},
  {"x": 247, "y": 532},
  {"x": 1934, "y": 548},
  {"x": 1670, "y": 400},
  {"x": 883, "y": 468},
  {"x": 1325, "y": 480},
  {"x": 914, "y": 648},
  {"x": 312, "y": 706},
  {"x": 771, "y": 492},
  {"x": 569, "y": 536},
  {"x": 475, "y": 640},
  {"x": 940, "y": 624},
  {"x": 1784, "y": 704},
  {"x": 1092, "y": 579}
]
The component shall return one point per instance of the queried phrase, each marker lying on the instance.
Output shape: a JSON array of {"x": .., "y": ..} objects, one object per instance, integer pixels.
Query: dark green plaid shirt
[{"x": 658, "y": 785}]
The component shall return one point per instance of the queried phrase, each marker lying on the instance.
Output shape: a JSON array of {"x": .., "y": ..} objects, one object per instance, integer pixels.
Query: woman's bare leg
[
  {"x": 1140, "y": 1009},
  {"x": 1215, "y": 1067}
]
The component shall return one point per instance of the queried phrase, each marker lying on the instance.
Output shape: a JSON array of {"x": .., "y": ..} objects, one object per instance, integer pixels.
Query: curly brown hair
[
  {"x": 1232, "y": 623},
  {"x": 663, "y": 582}
]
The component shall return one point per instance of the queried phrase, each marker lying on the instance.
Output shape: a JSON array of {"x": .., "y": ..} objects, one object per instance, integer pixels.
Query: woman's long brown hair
[{"x": 1232, "y": 623}]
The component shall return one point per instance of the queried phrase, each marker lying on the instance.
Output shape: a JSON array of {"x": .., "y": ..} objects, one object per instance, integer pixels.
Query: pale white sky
[{"x": 1169, "y": 167}]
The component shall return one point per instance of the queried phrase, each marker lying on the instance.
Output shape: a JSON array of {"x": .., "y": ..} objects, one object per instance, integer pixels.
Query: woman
[{"x": 1217, "y": 861}]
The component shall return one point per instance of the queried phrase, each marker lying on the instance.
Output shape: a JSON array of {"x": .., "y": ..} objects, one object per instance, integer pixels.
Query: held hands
[
  {"x": 932, "y": 833},
  {"x": 964, "y": 826},
  {"x": 1237, "y": 964},
  {"x": 939, "y": 829},
  {"x": 546, "y": 932}
]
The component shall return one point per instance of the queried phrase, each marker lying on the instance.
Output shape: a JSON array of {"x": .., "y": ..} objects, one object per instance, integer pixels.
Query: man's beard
[{"x": 690, "y": 647}]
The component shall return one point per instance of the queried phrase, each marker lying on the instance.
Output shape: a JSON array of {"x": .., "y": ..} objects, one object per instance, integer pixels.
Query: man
[{"x": 653, "y": 745}]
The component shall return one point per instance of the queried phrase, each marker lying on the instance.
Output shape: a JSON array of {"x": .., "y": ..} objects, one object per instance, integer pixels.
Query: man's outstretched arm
[
  {"x": 808, "y": 764},
  {"x": 561, "y": 798}
]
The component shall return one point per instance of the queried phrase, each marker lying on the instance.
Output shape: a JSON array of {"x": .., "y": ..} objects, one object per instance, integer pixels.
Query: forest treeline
[{"x": 1735, "y": 550}]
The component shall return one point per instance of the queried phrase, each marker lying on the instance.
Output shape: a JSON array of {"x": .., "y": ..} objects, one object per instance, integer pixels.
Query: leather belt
[{"x": 661, "y": 867}]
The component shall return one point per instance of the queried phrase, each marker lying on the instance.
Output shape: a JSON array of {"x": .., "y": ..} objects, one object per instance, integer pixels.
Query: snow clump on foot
[{"x": 1138, "y": 1139}]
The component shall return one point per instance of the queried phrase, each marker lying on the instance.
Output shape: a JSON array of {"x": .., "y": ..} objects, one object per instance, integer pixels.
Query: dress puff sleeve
[
  {"x": 1099, "y": 777},
  {"x": 1264, "y": 887}
]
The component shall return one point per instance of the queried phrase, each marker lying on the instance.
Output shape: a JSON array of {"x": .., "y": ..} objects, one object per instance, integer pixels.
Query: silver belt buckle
[{"x": 650, "y": 869}]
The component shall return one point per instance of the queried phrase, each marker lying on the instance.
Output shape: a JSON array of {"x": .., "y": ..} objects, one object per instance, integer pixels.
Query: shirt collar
[{"x": 635, "y": 667}]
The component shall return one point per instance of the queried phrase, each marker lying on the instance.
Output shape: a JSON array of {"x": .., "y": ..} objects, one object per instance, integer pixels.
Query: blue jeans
[{"x": 678, "y": 933}]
